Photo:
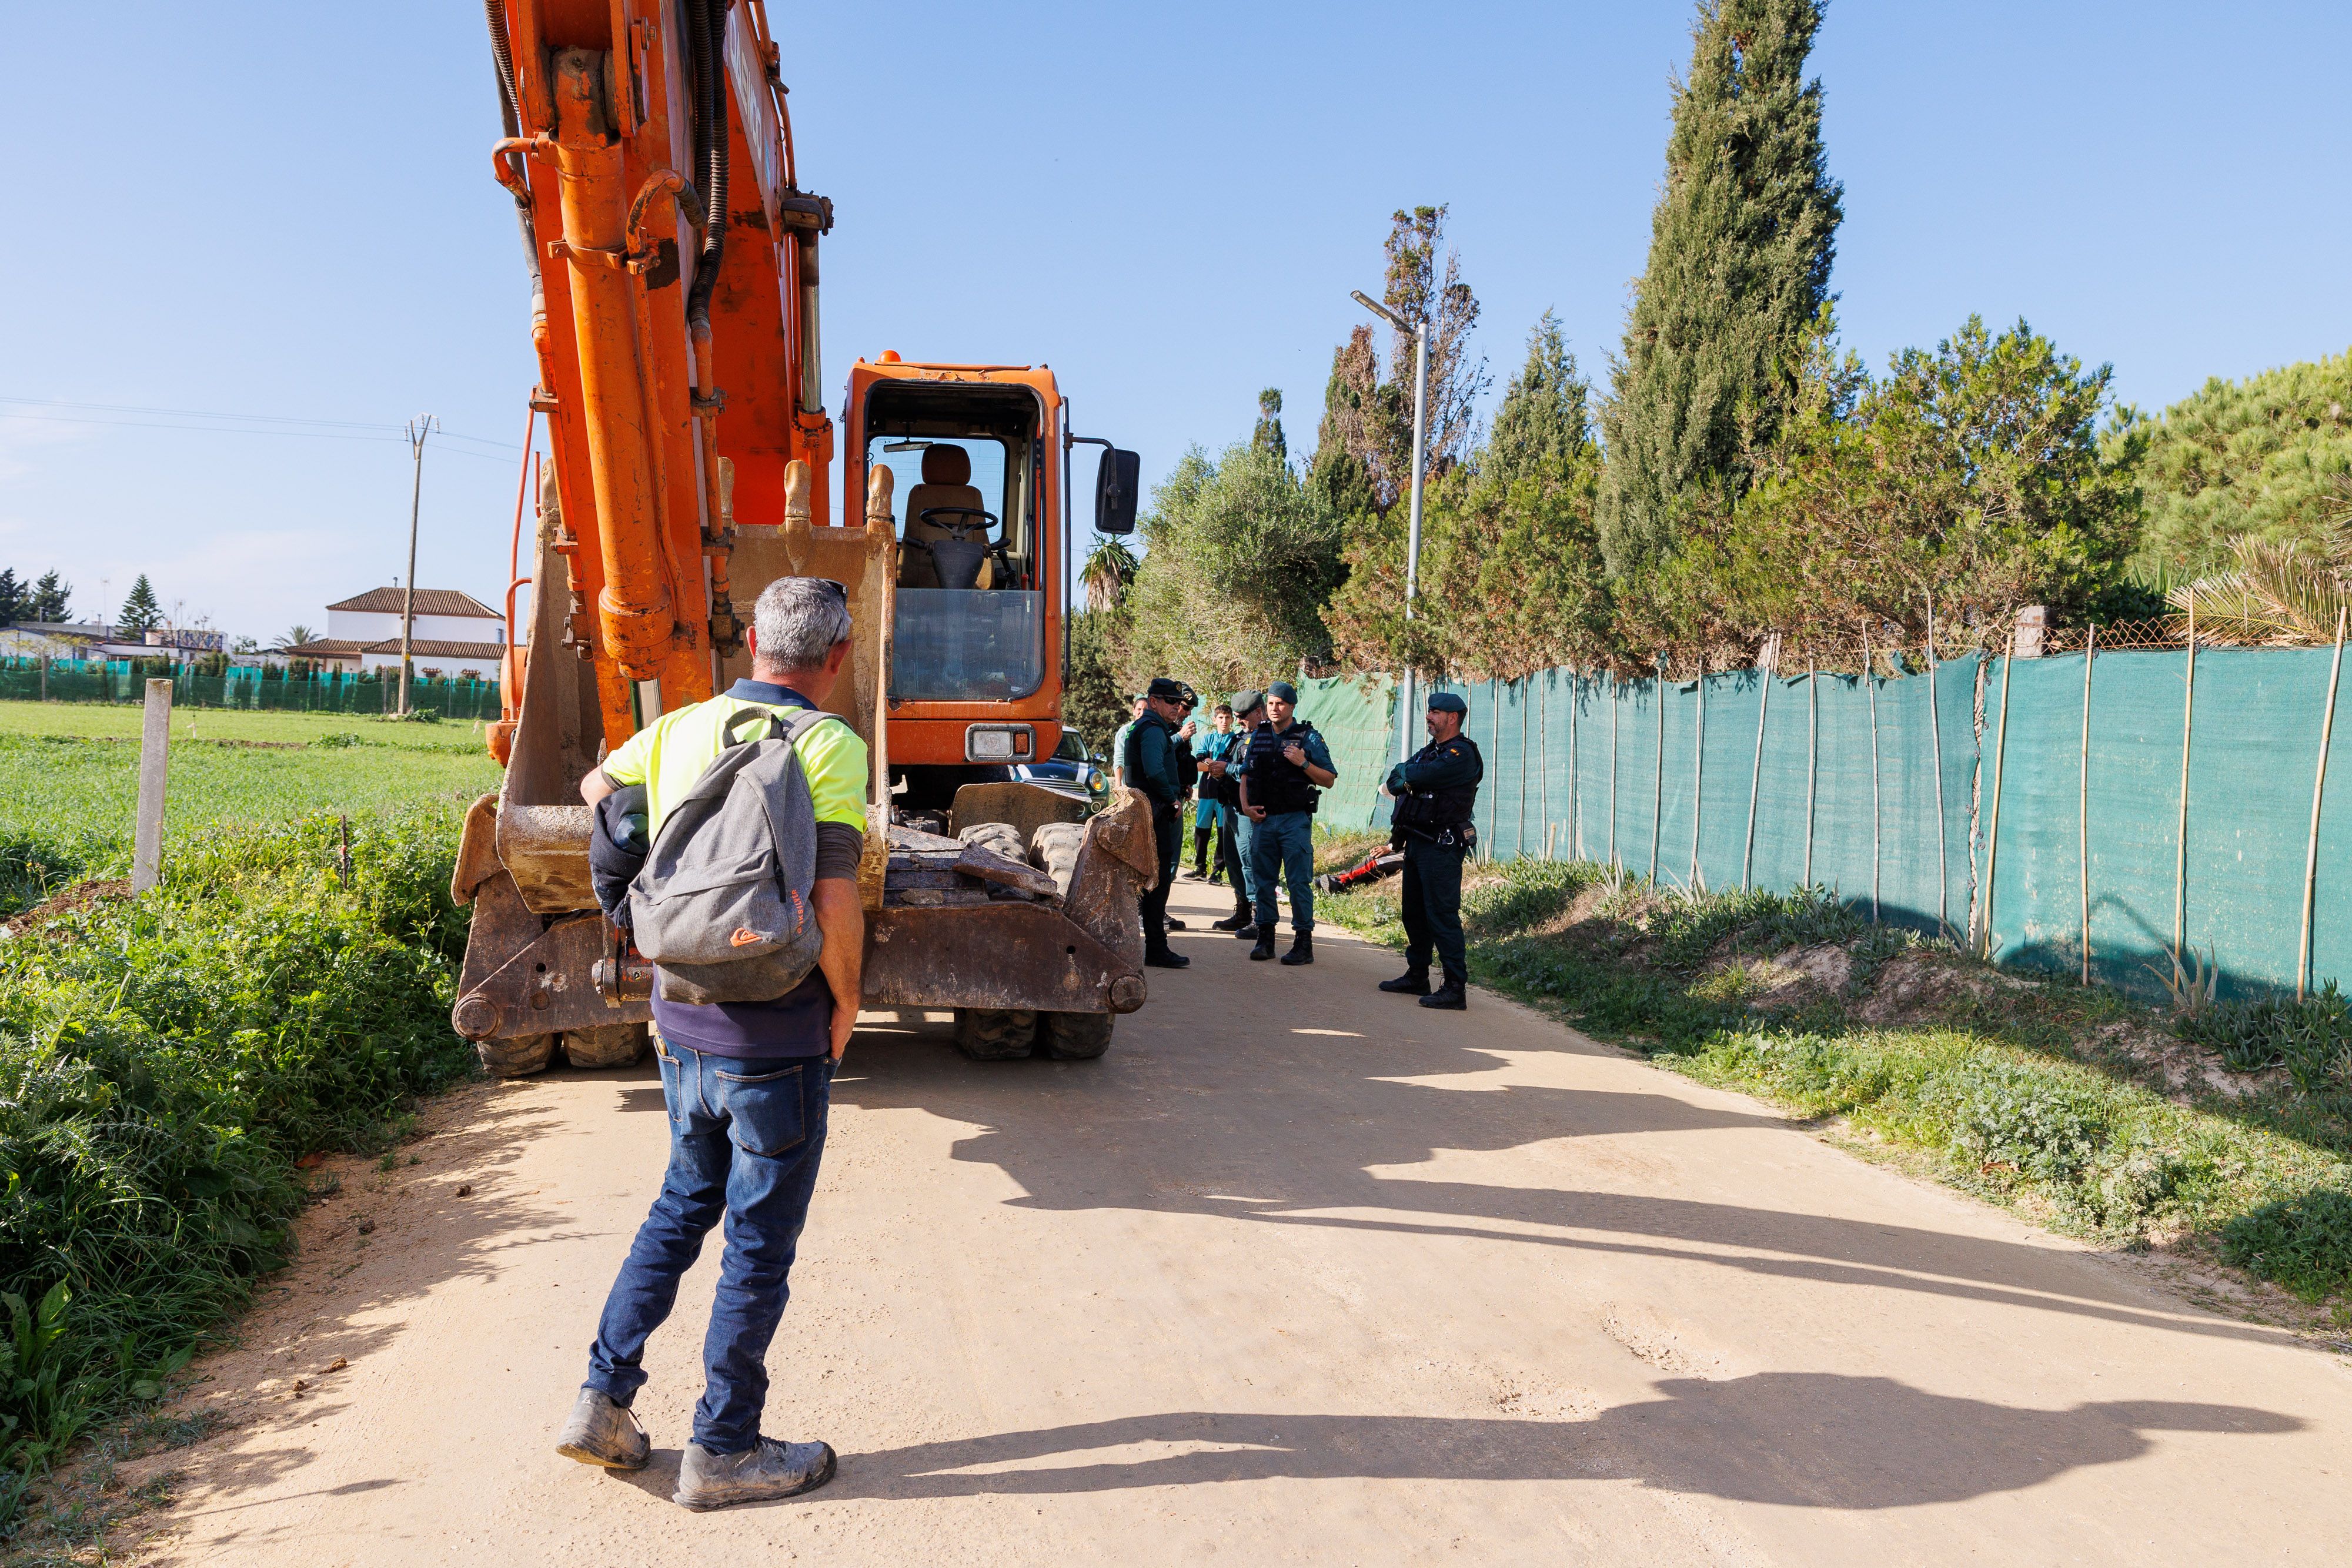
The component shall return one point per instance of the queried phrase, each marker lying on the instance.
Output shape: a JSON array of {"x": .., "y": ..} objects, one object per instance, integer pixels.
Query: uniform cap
[
  {"x": 1283, "y": 690},
  {"x": 1447, "y": 702},
  {"x": 1248, "y": 702},
  {"x": 1165, "y": 690}
]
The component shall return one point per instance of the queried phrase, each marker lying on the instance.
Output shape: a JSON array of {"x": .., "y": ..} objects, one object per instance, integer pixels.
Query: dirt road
[{"x": 1299, "y": 1273}]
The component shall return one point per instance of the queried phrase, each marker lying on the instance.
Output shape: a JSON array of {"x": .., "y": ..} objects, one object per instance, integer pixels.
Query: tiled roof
[
  {"x": 429, "y": 602},
  {"x": 322, "y": 648},
  {"x": 424, "y": 649}
]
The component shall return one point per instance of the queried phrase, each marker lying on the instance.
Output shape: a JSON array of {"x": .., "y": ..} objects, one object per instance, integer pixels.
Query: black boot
[
  {"x": 1413, "y": 982},
  {"x": 1302, "y": 948},
  {"x": 1238, "y": 921},
  {"x": 1174, "y": 924},
  {"x": 1163, "y": 957},
  {"x": 1451, "y": 996},
  {"x": 1265, "y": 948}
]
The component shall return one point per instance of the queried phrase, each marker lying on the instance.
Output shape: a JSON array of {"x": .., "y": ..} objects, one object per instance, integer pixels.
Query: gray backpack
[{"x": 722, "y": 905}]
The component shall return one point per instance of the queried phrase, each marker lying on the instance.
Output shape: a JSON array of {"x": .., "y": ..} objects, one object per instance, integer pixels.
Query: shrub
[
  {"x": 2005, "y": 1113},
  {"x": 163, "y": 1062},
  {"x": 2303, "y": 1242}
]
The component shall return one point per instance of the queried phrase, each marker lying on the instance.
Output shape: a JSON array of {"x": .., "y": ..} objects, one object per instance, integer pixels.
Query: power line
[{"x": 320, "y": 426}]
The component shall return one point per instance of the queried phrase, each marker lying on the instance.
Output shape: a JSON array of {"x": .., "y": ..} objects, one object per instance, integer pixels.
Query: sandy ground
[{"x": 1299, "y": 1272}]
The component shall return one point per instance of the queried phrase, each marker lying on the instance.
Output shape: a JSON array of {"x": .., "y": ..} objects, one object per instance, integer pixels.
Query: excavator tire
[
  {"x": 995, "y": 1034},
  {"x": 1053, "y": 850},
  {"x": 517, "y": 1058},
  {"x": 1074, "y": 1037},
  {"x": 605, "y": 1045}
]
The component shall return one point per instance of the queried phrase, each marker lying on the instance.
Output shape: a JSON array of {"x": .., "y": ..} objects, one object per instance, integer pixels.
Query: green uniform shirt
[{"x": 670, "y": 754}]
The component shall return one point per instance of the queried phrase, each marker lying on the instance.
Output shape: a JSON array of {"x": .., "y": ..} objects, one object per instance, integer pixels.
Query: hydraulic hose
[
  {"x": 705, "y": 25},
  {"x": 503, "y": 56}
]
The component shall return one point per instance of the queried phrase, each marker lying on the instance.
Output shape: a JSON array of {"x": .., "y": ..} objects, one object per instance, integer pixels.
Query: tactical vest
[
  {"x": 1438, "y": 810},
  {"x": 1275, "y": 782},
  {"x": 1131, "y": 762}
]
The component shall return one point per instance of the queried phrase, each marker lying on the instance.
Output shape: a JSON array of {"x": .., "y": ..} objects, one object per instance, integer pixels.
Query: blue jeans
[
  {"x": 1284, "y": 845},
  {"x": 744, "y": 1142}
]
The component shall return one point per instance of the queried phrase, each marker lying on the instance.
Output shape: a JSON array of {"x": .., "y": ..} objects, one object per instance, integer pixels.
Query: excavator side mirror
[{"x": 1116, "y": 484}]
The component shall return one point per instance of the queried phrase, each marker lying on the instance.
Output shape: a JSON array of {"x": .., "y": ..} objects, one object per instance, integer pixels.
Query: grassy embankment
[
  {"x": 2095, "y": 1116},
  {"x": 165, "y": 1060}
]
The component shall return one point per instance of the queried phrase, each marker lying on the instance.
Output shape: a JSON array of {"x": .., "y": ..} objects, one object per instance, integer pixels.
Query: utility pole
[
  {"x": 418, "y": 429},
  {"x": 1419, "y": 330}
]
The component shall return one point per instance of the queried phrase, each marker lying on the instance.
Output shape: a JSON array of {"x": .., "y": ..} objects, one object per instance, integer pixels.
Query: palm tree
[
  {"x": 1109, "y": 567},
  {"x": 295, "y": 636},
  {"x": 2278, "y": 593}
]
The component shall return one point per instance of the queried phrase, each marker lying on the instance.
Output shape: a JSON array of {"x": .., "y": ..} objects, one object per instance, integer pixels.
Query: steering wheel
[{"x": 958, "y": 530}]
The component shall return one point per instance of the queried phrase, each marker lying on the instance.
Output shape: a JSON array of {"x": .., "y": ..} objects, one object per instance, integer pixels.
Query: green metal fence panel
[{"x": 124, "y": 681}]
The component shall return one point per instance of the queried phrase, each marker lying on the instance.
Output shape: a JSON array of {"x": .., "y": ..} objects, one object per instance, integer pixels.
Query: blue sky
[{"x": 286, "y": 211}]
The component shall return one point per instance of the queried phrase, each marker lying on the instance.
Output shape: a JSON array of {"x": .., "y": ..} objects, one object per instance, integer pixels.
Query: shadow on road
[
  {"x": 1261, "y": 1124},
  {"x": 1800, "y": 1439}
]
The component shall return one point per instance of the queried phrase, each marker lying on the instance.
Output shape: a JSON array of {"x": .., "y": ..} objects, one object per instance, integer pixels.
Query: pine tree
[
  {"x": 1268, "y": 436},
  {"x": 141, "y": 612},
  {"x": 12, "y": 597},
  {"x": 51, "y": 600},
  {"x": 1740, "y": 248}
]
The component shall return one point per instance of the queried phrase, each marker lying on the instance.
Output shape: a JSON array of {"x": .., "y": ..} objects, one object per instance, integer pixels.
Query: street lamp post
[{"x": 1419, "y": 330}]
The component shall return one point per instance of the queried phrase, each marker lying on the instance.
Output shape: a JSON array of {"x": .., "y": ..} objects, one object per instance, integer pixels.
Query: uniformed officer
[
  {"x": 1283, "y": 775},
  {"x": 1436, "y": 793},
  {"x": 1149, "y": 766},
  {"x": 1220, "y": 774}
]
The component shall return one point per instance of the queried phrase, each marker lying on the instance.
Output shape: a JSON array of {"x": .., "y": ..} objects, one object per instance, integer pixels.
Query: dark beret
[{"x": 1446, "y": 702}]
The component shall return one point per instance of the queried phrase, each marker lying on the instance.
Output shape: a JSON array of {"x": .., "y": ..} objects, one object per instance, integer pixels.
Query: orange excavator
[{"x": 672, "y": 254}]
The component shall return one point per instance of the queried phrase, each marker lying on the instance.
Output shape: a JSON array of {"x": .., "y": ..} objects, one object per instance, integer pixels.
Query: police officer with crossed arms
[{"x": 1435, "y": 794}]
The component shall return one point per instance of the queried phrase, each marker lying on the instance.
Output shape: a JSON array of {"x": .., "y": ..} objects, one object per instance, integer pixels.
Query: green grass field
[{"x": 70, "y": 772}]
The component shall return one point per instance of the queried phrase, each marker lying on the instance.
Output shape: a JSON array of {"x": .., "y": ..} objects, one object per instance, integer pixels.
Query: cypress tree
[
  {"x": 1543, "y": 415},
  {"x": 52, "y": 599},
  {"x": 1740, "y": 247},
  {"x": 12, "y": 597},
  {"x": 1268, "y": 436}
]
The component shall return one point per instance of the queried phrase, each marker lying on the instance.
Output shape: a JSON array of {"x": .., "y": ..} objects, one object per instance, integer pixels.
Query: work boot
[
  {"x": 1452, "y": 995},
  {"x": 599, "y": 1432},
  {"x": 1248, "y": 929},
  {"x": 1265, "y": 948},
  {"x": 1302, "y": 948},
  {"x": 1413, "y": 982},
  {"x": 1165, "y": 958},
  {"x": 1239, "y": 920},
  {"x": 759, "y": 1474},
  {"x": 1174, "y": 924}
]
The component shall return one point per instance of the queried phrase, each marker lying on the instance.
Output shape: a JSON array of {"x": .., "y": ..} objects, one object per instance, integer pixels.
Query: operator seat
[{"x": 947, "y": 475}]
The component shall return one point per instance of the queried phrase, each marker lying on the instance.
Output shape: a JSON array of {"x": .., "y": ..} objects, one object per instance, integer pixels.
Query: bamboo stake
[
  {"x": 1543, "y": 745},
  {"x": 2318, "y": 787},
  {"x": 2180, "y": 834},
  {"x": 1615, "y": 687},
  {"x": 1935, "y": 741},
  {"x": 1756, "y": 777},
  {"x": 1813, "y": 758},
  {"x": 1519, "y": 827},
  {"x": 1658, "y": 776},
  {"x": 2083, "y": 817},
  {"x": 1870, "y": 686},
  {"x": 1575, "y": 773},
  {"x": 1993, "y": 840},
  {"x": 1698, "y": 773}
]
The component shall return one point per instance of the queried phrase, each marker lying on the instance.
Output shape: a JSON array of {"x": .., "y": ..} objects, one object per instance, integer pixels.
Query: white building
[{"x": 455, "y": 634}]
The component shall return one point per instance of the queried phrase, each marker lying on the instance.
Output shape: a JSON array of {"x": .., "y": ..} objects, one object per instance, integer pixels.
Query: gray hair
[{"x": 799, "y": 620}]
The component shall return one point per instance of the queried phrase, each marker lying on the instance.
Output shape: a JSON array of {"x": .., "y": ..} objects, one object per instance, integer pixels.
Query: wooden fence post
[
  {"x": 1658, "y": 778},
  {"x": 155, "y": 761},
  {"x": 1698, "y": 773},
  {"x": 2082, "y": 815},
  {"x": 2318, "y": 788},
  {"x": 1812, "y": 757},
  {"x": 1935, "y": 759},
  {"x": 1771, "y": 674},
  {"x": 1543, "y": 745},
  {"x": 1877, "y": 817},
  {"x": 1615, "y": 687},
  {"x": 1519, "y": 829},
  {"x": 2180, "y": 832},
  {"x": 1575, "y": 769},
  {"x": 1992, "y": 836}
]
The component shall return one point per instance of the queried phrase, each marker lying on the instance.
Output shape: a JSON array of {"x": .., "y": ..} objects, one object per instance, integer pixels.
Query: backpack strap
[{"x": 788, "y": 726}]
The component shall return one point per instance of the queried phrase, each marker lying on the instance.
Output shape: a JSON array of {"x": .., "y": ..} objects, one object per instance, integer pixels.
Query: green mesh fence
[
  {"x": 125, "y": 681},
  {"x": 1748, "y": 779},
  {"x": 1353, "y": 713}
]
